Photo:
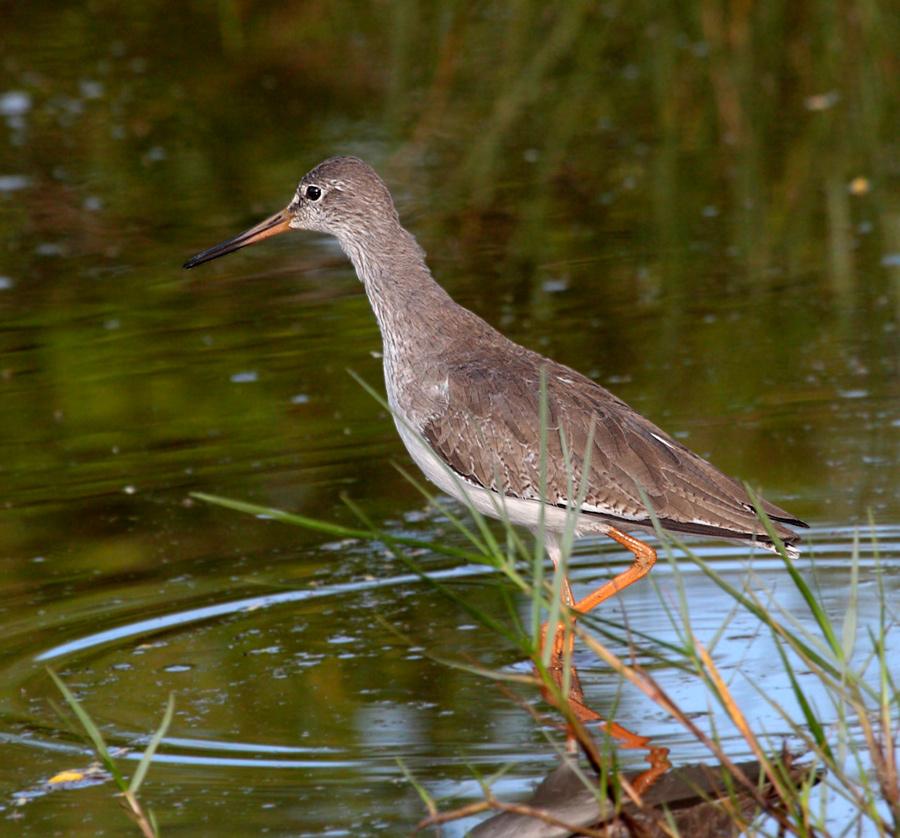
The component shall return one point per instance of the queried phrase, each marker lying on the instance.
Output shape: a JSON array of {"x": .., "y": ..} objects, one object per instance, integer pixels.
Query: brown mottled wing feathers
[{"x": 496, "y": 409}]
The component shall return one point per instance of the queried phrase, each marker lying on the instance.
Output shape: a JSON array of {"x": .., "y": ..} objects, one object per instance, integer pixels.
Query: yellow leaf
[{"x": 66, "y": 777}]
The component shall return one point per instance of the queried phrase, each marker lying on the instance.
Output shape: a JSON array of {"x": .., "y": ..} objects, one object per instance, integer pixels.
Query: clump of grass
[
  {"x": 129, "y": 788},
  {"x": 840, "y": 662}
]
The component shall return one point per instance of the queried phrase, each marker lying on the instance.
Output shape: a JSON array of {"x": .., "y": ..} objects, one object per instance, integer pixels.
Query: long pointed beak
[{"x": 278, "y": 223}]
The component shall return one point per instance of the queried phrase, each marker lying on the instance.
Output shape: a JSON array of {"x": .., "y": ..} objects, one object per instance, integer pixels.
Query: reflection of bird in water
[
  {"x": 468, "y": 402},
  {"x": 703, "y": 801}
]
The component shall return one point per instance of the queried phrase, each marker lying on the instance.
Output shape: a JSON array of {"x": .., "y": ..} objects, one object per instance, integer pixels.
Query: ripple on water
[{"x": 336, "y": 680}]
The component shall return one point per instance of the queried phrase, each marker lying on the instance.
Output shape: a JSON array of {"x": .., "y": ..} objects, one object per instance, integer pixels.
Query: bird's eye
[{"x": 313, "y": 193}]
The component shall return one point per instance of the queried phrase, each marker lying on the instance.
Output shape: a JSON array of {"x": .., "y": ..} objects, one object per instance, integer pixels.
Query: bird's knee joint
[{"x": 645, "y": 559}]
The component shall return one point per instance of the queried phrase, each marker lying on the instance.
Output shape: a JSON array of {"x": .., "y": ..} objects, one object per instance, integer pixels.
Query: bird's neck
[{"x": 404, "y": 296}]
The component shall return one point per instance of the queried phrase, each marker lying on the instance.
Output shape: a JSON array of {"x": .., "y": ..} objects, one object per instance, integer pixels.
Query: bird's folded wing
[{"x": 594, "y": 447}]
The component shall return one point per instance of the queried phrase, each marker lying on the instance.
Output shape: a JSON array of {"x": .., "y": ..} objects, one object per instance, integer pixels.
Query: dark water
[{"x": 699, "y": 212}]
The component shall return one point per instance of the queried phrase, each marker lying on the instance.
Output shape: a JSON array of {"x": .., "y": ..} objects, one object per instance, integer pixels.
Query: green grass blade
[
  {"x": 424, "y": 796},
  {"x": 848, "y": 629},
  {"x": 488, "y": 547},
  {"x": 482, "y": 616},
  {"x": 478, "y": 517},
  {"x": 333, "y": 529},
  {"x": 812, "y": 720},
  {"x": 812, "y": 603},
  {"x": 761, "y": 614},
  {"x": 93, "y": 732},
  {"x": 147, "y": 758}
]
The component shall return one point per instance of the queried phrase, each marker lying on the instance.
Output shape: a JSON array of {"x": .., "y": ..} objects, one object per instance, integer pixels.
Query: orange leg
[
  {"x": 657, "y": 756},
  {"x": 644, "y": 559},
  {"x": 552, "y": 548}
]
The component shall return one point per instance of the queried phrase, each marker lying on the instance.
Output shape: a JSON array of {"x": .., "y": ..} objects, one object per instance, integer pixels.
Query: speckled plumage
[{"x": 467, "y": 400}]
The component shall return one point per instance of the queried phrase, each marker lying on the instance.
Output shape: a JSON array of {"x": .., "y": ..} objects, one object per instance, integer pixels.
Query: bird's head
[{"x": 342, "y": 196}]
